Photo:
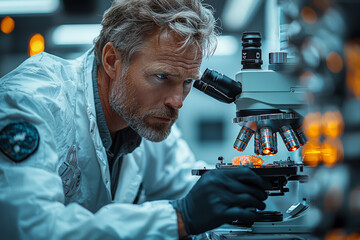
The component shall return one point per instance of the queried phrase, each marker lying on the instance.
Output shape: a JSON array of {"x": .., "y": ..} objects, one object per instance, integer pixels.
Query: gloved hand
[{"x": 221, "y": 196}]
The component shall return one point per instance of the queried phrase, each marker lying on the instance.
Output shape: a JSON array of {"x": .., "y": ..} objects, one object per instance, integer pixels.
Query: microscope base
[
  {"x": 288, "y": 225},
  {"x": 290, "y": 228}
]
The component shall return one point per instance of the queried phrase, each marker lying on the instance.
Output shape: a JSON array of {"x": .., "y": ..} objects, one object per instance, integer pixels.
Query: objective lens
[
  {"x": 243, "y": 138},
  {"x": 251, "y": 52},
  {"x": 300, "y": 134},
  {"x": 266, "y": 141},
  {"x": 275, "y": 144},
  {"x": 257, "y": 144},
  {"x": 289, "y": 137}
]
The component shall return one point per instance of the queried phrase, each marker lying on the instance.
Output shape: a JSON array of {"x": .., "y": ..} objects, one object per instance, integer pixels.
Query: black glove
[{"x": 221, "y": 196}]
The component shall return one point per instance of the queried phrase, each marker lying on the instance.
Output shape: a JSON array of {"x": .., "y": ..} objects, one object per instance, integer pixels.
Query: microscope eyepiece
[
  {"x": 218, "y": 86},
  {"x": 221, "y": 82},
  {"x": 251, "y": 52}
]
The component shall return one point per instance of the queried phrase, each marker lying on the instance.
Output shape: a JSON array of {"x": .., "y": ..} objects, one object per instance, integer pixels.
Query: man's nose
[{"x": 175, "y": 99}]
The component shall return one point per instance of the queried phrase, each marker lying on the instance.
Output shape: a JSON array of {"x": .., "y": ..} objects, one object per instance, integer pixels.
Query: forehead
[{"x": 162, "y": 50}]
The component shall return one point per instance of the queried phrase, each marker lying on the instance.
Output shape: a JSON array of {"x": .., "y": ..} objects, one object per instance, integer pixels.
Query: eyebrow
[
  {"x": 161, "y": 69},
  {"x": 198, "y": 76}
]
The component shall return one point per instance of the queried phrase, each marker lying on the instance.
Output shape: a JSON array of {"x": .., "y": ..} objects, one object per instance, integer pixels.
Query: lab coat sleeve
[
  {"x": 32, "y": 197},
  {"x": 170, "y": 177}
]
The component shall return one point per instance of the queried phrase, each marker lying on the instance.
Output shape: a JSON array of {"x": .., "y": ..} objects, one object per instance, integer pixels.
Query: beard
[{"x": 123, "y": 101}]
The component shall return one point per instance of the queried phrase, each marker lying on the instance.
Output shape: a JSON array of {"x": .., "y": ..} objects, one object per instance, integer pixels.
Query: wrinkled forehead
[
  {"x": 161, "y": 53},
  {"x": 168, "y": 39}
]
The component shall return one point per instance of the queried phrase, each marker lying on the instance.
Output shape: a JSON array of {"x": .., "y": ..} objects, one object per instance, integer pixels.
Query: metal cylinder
[
  {"x": 289, "y": 137},
  {"x": 266, "y": 141},
  {"x": 277, "y": 57},
  {"x": 251, "y": 52},
  {"x": 275, "y": 144},
  {"x": 243, "y": 138},
  {"x": 300, "y": 134},
  {"x": 257, "y": 144}
]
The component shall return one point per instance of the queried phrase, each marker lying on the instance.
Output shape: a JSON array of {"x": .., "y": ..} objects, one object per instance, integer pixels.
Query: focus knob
[{"x": 277, "y": 57}]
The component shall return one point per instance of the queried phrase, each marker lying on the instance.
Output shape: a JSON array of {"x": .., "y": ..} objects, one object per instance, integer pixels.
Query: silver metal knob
[{"x": 277, "y": 57}]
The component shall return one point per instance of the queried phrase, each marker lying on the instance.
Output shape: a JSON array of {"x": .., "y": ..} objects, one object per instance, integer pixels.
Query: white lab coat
[{"x": 56, "y": 96}]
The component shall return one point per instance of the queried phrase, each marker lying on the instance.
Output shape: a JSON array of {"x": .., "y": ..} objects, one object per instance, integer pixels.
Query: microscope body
[
  {"x": 268, "y": 89},
  {"x": 270, "y": 102},
  {"x": 267, "y": 102}
]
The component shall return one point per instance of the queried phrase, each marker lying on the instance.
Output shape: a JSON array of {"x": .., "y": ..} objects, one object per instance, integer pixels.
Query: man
[{"x": 71, "y": 162}]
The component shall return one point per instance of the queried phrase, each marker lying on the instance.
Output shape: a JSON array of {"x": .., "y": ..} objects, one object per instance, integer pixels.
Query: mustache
[{"x": 167, "y": 112}]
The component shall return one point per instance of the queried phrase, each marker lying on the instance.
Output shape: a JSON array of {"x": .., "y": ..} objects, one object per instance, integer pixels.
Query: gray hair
[{"x": 128, "y": 22}]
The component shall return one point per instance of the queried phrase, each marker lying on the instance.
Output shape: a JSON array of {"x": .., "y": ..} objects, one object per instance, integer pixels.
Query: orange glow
[
  {"x": 353, "y": 236},
  {"x": 247, "y": 159},
  {"x": 259, "y": 154},
  {"x": 36, "y": 44},
  {"x": 332, "y": 151},
  {"x": 336, "y": 234},
  {"x": 311, "y": 153},
  {"x": 267, "y": 151},
  {"x": 312, "y": 125},
  {"x": 352, "y": 60},
  {"x": 334, "y": 62},
  {"x": 309, "y": 15},
  {"x": 294, "y": 148},
  {"x": 333, "y": 124},
  {"x": 7, "y": 25}
]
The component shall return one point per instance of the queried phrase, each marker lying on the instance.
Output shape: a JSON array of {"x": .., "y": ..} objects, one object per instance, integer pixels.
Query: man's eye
[
  {"x": 161, "y": 76},
  {"x": 188, "y": 81}
]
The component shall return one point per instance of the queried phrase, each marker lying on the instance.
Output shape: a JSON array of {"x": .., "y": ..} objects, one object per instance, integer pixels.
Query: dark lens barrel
[
  {"x": 251, "y": 52},
  {"x": 212, "y": 92},
  {"x": 221, "y": 82}
]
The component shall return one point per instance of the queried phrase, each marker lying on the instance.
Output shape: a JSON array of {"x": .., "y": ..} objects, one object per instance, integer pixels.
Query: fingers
[
  {"x": 248, "y": 201},
  {"x": 234, "y": 186},
  {"x": 239, "y": 187},
  {"x": 247, "y": 176},
  {"x": 243, "y": 200}
]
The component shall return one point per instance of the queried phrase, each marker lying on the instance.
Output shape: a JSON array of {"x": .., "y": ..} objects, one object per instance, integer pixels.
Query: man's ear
[{"x": 111, "y": 60}]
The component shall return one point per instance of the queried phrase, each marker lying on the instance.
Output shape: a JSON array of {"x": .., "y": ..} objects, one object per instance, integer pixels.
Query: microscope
[{"x": 267, "y": 102}]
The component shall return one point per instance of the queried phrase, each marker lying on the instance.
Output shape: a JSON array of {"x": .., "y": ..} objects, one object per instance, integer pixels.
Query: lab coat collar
[{"x": 94, "y": 133}]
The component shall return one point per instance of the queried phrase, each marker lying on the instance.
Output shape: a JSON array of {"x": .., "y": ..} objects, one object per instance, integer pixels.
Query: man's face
[{"x": 158, "y": 79}]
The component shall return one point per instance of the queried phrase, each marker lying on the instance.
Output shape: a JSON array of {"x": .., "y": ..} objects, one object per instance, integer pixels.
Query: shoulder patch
[{"x": 18, "y": 140}]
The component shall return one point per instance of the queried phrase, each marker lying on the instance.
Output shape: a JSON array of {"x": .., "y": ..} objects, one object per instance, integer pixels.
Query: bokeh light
[
  {"x": 332, "y": 151},
  {"x": 36, "y": 44},
  {"x": 309, "y": 15},
  {"x": 311, "y": 153},
  {"x": 332, "y": 124},
  {"x": 7, "y": 25},
  {"x": 336, "y": 234},
  {"x": 353, "y": 236},
  {"x": 334, "y": 62},
  {"x": 313, "y": 125},
  {"x": 352, "y": 60}
]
